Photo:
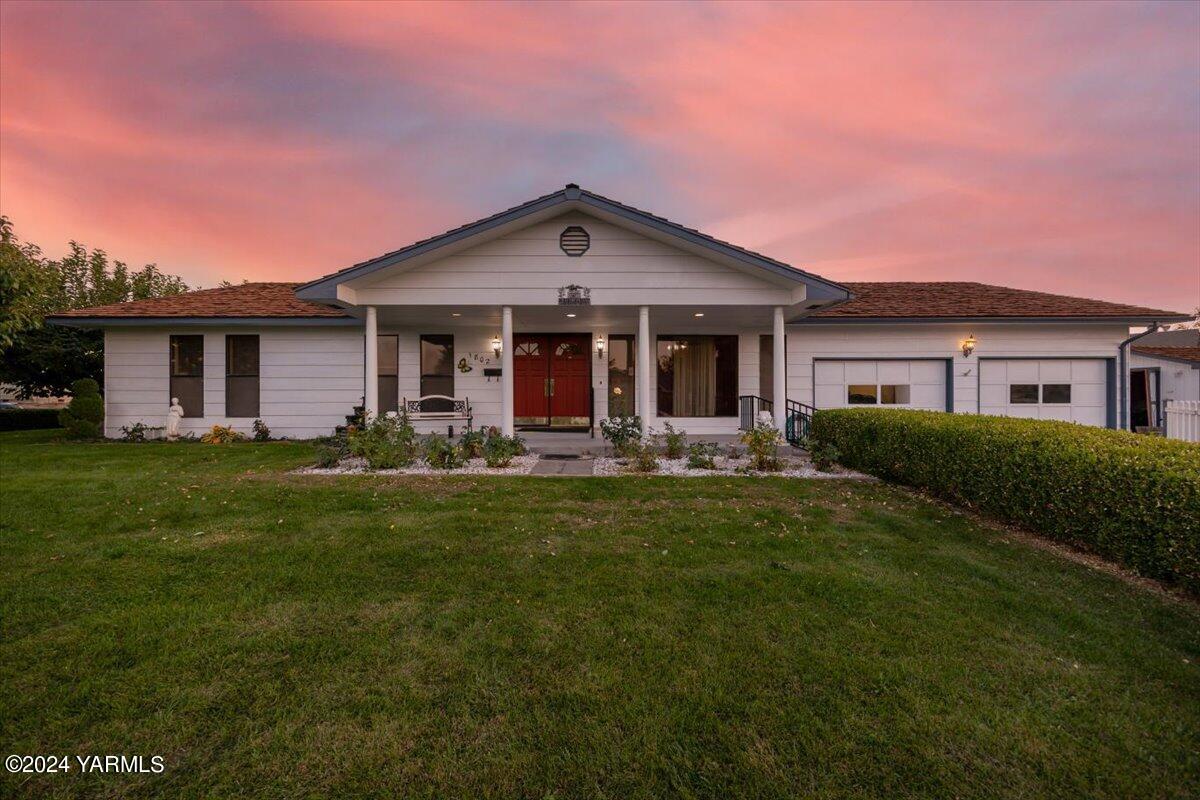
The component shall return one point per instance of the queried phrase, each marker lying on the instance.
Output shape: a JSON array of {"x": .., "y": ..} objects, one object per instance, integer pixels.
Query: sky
[{"x": 1052, "y": 147}]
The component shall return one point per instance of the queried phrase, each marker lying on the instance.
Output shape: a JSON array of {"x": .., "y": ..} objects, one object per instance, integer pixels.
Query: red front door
[{"x": 552, "y": 380}]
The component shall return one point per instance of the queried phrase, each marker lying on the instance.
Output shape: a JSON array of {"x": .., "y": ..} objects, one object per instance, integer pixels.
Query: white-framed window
[
  {"x": 1028, "y": 393},
  {"x": 882, "y": 394}
]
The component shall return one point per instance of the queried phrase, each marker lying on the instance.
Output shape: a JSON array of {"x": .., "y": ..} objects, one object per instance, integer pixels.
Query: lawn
[{"x": 275, "y": 635}]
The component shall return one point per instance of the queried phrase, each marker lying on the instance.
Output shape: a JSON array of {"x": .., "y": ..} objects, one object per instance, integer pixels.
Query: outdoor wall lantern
[
  {"x": 968, "y": 345},
  {"x": 600, "y": 346},
  {"x": 496, "y": 346}
]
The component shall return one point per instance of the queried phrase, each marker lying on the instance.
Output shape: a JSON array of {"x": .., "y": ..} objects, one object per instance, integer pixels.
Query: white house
[
  {"x": 573, "y": 307},
  {"x": 1164, "y": 366}
]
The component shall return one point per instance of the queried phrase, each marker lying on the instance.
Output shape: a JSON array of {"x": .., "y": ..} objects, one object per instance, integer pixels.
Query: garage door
[
  {"x": 903, "y": 384},
  {"x": 1071, "y": 390}
]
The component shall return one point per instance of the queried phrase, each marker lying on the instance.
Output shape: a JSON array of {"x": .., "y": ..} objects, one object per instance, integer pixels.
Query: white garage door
[
  {"x": 902, "y": 384},
  {"x": 1071, "y": 390}
]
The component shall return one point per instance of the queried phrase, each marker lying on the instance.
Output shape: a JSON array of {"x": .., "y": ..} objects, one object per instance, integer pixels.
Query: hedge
[
  {"x": 28, "y": 419},
  {"x": 1129, "y": 498}
]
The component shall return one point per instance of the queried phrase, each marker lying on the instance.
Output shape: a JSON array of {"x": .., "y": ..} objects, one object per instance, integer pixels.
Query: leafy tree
[{"x": 46, "y": 359}]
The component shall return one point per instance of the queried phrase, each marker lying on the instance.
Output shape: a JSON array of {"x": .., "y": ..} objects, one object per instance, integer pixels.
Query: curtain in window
[{"x": 695, "y": 379}]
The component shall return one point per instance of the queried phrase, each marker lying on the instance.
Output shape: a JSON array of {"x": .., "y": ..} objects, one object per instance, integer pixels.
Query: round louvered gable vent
[{"x": 574, "y": 241}]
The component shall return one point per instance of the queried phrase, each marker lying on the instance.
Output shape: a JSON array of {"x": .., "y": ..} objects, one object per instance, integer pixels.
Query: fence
[{"x": 1183, "y": 420}]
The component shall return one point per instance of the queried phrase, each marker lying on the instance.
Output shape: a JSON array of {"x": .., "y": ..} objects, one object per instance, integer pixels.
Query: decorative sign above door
[{"x": 574, "y": 295}]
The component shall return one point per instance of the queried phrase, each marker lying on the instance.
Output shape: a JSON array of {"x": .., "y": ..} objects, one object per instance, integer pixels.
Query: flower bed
[
  {"x": 520, "y": 465},
  {"x": 725, "y": 467}
]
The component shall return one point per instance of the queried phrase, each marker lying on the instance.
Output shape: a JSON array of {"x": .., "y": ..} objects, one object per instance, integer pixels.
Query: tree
[{"x": 43, "y": 359}]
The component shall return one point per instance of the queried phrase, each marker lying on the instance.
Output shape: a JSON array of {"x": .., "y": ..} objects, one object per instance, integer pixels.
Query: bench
[{"x": 459, "y": 409}]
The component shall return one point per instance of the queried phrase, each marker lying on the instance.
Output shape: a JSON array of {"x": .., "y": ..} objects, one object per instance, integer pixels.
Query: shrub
[
  {"x": 1132, "y": 499},
  {"x": 261, "y": 432},
  {"x": 329, "y": 455},
  {"x": 441, "y": 453},
  {"x": 386, "y": 442},
  {"x": 701, "y": 455},
  {"x": 222, "y": 434},
  {"x": 642, "y": 457},
  {"x": 762, "y": 443},
  {"x": 674, "y": 441},
  {"x": 472, "y": 443},
  {"x": 499, "y": 451},
  {"x": 84, "y": 415},
  {"x": 138, "y": 432},
  {"x": 824, "y": 455},
  {"x": 623, "y": 433},
  {"x": 28, "y": 419}
]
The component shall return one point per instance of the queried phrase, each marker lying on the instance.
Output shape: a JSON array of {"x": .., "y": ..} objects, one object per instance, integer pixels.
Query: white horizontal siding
[
  {"x": 310, "y": 379},
  {"x": 528, "y": 267},
  {"x": 808, "y": 342}
]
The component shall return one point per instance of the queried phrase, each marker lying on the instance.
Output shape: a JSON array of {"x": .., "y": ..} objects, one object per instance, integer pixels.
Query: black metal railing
[
  {"x": 748, "y": 407},
  {"x": 798, "y": 422}
]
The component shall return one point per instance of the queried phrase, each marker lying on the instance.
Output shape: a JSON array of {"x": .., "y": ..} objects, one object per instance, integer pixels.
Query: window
[
  {"x": 241, "y": 376},
  {"x": 697, "y": 376},
  {"x": 864, "y": 394},
  {"x": 622, "y": 398},
  {"x": 388, "y": 348},
  {"x": 1056, "y": 392},
  {"x": 895, "y": 394},
  {"x": 187, "y": 374},
  {"x": 1023, "y": 393},
  {"x": 437, "y": 370}
]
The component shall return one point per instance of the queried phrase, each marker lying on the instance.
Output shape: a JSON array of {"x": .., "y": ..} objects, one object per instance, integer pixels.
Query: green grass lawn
[{"x": 275, "y": 635}]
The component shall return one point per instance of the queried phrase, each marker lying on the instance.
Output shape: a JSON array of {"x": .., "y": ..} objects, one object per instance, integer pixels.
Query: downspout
[{"x": 1123, "y": 380}]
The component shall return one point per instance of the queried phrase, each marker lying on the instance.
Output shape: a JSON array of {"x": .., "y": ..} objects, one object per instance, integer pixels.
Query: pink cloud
[{"x": 1047, "y": 146}]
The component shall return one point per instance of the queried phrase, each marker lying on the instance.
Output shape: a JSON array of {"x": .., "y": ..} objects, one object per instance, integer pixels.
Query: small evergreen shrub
[
  {"x": 623, "y": 433},
  {"x": 674, "y": 441},
  {"x": 642, "y": 457},
  {"x": 261, "y": 432},
  {"x": 28, "y": 419},
  {"x": 702, "y": 455},
  {"x": 441, "y": 453},
  {"x": 329, "y": 455},
  {"x": 138, "y": 432},
  {"x": 1128, "y": 498},
  {"x": 472, "y": 443},
  {"x": 386, "y": 442},
  {"x": 83, "y": 417},
  {"x": 499, "y": 451},
  {"x": 824, "y": 455},
  {"x": 222, "y": 434},
  {"x": 762, "y": 443}
]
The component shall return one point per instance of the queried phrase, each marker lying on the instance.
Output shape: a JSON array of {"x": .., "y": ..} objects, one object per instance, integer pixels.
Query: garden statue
[
  {"x": 765, "y": 418},
  {"x": 174, "y": 414}
]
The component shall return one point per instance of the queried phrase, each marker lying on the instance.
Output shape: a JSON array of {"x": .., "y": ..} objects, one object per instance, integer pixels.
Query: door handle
[
  {"x": 545, "y": 387},
  {"x": 552, "y": 387}
]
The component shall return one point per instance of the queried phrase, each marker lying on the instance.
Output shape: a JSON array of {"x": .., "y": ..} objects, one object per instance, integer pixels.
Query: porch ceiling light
[
  {"x": 455, "y": 314},
  {"x": 968, "y": 345},
  {"x": 572, "y": 316},
  {"x": 600, "y": 346},
  {"x": 698, "y": 314},
  {"x": 497, "y": 345}
]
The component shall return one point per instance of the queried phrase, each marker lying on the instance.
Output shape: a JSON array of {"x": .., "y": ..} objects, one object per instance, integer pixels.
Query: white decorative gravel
[
  {"x": 726, "y": 467},
  {"x": 521, "y": 465}
]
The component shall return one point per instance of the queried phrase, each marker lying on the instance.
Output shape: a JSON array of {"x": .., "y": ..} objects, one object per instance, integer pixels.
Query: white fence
[{"x": 1183, "y": 420}]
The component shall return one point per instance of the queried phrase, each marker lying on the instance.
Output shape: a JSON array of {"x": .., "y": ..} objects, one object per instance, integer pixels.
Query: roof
[
  {"x": 1188, "y": 354},
  {"x": 969, "y": 300},
  {"x": 572, "y": 196},
  {"x": 244, "y": 301},
  {"x": 1179, "y": 338}
]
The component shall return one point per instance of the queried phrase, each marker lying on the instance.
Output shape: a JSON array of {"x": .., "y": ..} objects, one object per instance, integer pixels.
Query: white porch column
[
  {"x": 779, "y": 365},
  {"x": 371, "y": 384},
  {"x": 643, "y": 367},
  {"x": 506, "y": 371}
]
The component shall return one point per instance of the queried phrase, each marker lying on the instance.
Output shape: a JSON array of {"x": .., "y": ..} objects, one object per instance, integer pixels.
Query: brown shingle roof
[
  {"x": 932, "y": 300},
  {"x": 245, "y": 300},
  {"x": 1177, "y": 353}
]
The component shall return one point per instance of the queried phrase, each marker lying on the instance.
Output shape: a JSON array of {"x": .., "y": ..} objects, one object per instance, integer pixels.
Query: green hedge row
[
  {"x": 1129, "y": 498},
  {"x": 28, "y": 419}
]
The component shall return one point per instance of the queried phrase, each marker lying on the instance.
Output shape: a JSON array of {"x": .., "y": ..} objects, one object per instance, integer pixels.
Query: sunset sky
[{"x": 1051, "y": 147}]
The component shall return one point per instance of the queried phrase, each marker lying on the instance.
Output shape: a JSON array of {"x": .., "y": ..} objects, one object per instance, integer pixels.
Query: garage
[
  {"x": 1069, "y": 389},
  {"x": 898, "y": 383}
]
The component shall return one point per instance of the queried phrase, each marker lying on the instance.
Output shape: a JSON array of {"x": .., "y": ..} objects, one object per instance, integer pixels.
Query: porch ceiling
[{"x": 554, "y": 318}]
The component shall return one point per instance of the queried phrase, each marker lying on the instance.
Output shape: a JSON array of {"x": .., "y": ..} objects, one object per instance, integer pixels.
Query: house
[
  {"x": 1163, "y": 366},
  {"x": 573, "y": 307}
]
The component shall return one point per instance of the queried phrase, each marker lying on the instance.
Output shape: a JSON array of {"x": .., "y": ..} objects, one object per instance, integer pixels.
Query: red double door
[{"x": 553, "y": 380}]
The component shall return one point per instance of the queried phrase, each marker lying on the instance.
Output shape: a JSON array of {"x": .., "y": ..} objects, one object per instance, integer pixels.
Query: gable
[{"x": 528, "y": 267}]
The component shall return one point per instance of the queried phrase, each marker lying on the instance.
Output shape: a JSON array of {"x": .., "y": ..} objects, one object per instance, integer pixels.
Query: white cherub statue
[{"x": 174, "y": 414}]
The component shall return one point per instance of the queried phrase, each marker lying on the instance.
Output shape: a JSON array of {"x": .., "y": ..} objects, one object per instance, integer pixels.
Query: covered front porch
[{"x": 561, "y": 369}]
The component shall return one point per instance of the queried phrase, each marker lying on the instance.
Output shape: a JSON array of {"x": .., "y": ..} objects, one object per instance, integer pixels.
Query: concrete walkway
[{"x": 563, "y": 466}]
